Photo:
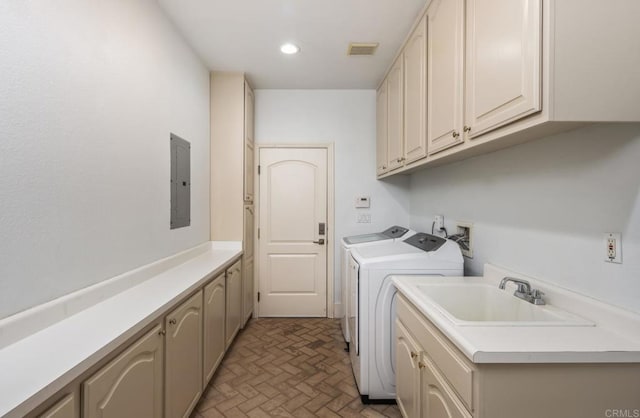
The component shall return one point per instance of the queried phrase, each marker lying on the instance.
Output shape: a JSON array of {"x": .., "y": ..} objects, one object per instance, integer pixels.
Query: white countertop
[
  {"x": 614, "y": 338},
  {"x": 36, "y": 367}
]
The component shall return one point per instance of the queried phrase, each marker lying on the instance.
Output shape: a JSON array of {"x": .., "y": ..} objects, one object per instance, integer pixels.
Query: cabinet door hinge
[
  {"x": 258, "y": 169},
  {"x": 258, "y": 296}
]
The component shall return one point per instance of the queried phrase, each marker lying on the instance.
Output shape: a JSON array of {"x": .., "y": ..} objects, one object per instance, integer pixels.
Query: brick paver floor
[{"x": 287, "y": 367}]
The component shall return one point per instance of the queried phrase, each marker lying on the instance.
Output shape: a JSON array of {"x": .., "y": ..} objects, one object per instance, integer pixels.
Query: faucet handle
[{"x": 536, "y": 296}]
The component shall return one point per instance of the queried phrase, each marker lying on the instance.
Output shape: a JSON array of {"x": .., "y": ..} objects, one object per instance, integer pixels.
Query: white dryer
[
  {"x": 371, "y": 321},
  {"x": 394, "y": 233}
]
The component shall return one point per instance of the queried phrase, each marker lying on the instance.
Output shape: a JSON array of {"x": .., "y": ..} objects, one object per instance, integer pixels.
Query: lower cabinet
[
  {"x": 164, "y": 371},
  {"x": 131, "y": 384},
  {"x": 408, "y": 382},
  {"x": 64, "y": 408},
  {"x": 234, "y": 301},
  {"x": 247, "y": 290},
  {"x": 183, "y": 358},
  {"x": 214, "y": 324},
  {"x": 422, "y": 357},
  {"x": 438, "y": 401},
  {"x": 434, "y": 379}
]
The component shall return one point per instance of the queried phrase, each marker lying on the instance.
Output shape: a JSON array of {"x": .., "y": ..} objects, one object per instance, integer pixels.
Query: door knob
[{"x": 320, "y": 241}]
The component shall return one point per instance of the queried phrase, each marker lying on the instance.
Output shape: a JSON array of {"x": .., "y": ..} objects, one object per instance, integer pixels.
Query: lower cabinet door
[
  {"x": 438, "y": 399},
  {"x": 234, "y": 301},
  {"x": 247, "y": 290},
  {"x": 130, "y": 386},
  {"x": 183, "y": 358},
  {"x": 214, "y": 323},
  {"x": 407, "y": 373},
  {"x": 64, "y": 408}
]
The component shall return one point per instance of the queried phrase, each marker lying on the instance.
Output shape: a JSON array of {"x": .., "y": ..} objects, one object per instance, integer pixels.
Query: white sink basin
[{"x": 467, "y": 304}]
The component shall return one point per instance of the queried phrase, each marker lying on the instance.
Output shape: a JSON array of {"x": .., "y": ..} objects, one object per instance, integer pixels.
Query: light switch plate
[{"x": 363, "y": 202}]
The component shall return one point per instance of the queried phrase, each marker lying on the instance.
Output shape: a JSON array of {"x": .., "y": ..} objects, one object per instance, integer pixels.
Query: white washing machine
[
  {"x": 371, "y": 321},
  {"x": 394, "y": 233}
]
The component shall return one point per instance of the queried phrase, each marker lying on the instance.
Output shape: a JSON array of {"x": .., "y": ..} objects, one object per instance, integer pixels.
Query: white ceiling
[{"x": 245, "y": 35}]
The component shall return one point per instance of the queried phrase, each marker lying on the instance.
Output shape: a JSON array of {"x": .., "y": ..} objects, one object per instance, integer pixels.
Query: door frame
[{"x": 330, "y": 236}]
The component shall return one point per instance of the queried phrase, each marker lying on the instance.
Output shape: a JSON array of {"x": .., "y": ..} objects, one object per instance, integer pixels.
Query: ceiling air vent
[{"x": 362, "y": 49}]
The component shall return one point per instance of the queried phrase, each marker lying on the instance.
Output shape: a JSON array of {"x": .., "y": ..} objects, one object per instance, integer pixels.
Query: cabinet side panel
[
  {"x": 596, "y": 60},
  {"x": 568, "y": 390},
  {"x": 227, "y": 147}
]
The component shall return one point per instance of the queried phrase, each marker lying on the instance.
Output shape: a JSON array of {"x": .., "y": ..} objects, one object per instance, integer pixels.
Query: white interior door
[{"x": 292, "y": 247}]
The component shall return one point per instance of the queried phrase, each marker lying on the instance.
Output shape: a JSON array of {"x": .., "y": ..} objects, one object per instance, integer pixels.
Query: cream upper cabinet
[
  {"x": 232, "y": 154},
  {"x": 130, "y": 385},
  {"x": 445, "y": 23},
  {"x": 381, "y": 129},
  {"x": 502, "y": 72},
  {"x": 183, "y": 358},
  {"x": 395, "y": 116},
  {"x": 249, "y": 143},
  {"x": 233, "y": 301},
  {"x": 504, "y": 43},
  {"x": 213, "y": 329},
  {"x": 415, "y": 102}
]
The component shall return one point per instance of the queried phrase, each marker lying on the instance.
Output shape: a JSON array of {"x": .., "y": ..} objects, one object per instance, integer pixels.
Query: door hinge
[
  {"x": 258, "y": 233},
  {"x": 258, "y": 169},
  {"x": 258, "y": 296}
]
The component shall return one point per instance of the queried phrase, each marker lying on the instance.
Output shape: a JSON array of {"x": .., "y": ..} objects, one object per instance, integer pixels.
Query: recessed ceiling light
[{"x": 289, "y": 49}]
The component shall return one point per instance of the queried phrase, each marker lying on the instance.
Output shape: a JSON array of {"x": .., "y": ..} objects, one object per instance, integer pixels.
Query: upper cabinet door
[
  {"x": 415, "y": 78},
  {"x": 249, "y": 143},
  {"x": 249, "y": 100},
  {"x": 381, "y": 129},
  {"x": 446, "y": 73},
  {"x": 395, "y": 112},
  {"x": 503, "y": 62}
]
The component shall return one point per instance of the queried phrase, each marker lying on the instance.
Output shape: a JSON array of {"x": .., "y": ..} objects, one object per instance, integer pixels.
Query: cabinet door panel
[
  {"x": 381, "y": 129},
  {"x": 407, "y": 372},
  {"x": 184, "y": 358},
  {"x": 395, "y": 112},
  {"x": 415, "y": 78},
  {"x": 249, "y": 153},
  {"x": 446, "y": 74},
  {"x": 214, "y": 323},
  {"x": 234, "y": 301},
  {"x": 130, "y": 385},
  {"x": 247, "y": 289},
  {"x": 248, "y": 243},
  {"x": 249, "y": 144},
  {"x": 438, "y": 400},
  {"x": 65, "y": 408},
  {"x": 503, "y": 62}
]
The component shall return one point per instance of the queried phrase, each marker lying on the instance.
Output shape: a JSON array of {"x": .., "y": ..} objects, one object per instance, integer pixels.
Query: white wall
[
  {"x": 346, "y": 118},
  {"x": 89, "y": 94},
  {"x": 541, "y": 208}
]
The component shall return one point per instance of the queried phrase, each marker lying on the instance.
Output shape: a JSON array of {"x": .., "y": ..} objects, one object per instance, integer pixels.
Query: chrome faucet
[{"x": 524, "y": 290}]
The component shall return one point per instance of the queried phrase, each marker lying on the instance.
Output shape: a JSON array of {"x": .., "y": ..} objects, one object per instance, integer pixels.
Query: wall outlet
[
  {"x": 613, "y": 247},
  {"x": 364, "y": 218},
  {"x": 466, "y": 243},
  {"x": 438, "y": 223}
]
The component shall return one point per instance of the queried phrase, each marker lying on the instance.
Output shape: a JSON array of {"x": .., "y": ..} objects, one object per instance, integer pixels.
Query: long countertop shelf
[
  {"x": 37, "y": 366},
  {"x": 613, "y": 338}
]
